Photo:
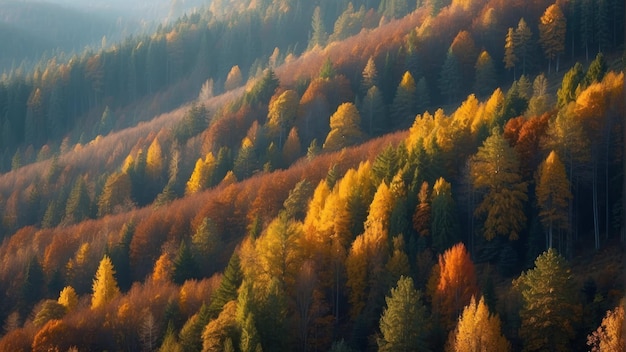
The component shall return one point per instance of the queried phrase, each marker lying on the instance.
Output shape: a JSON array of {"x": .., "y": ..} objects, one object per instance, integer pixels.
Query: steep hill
[{"x": 245, "y": 178}]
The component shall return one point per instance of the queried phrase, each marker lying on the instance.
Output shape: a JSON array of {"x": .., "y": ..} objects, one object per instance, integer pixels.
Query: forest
[{"x": 330, "y": 175}]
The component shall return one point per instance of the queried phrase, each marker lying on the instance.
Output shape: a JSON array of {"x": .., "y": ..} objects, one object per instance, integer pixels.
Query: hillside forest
[{"x": 330, "y": 175}]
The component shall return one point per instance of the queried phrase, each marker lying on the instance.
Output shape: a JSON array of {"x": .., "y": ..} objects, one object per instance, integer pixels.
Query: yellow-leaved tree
[
  {"x": 68, "y": 298},
  {"x": 553, "y": 195},
  {"x": 201, "y": 176},
  {"x": 610, "y": 336},
  {"x": 104, "y": 284},
  {"x": 477, "y": 330},
  {"x": 345, "y": 128}
]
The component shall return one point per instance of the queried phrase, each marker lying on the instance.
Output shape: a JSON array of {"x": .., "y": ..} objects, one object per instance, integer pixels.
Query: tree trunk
[{"x": 596, "y": 221}]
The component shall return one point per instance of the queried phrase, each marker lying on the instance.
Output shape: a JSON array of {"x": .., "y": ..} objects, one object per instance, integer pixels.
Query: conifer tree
[
  {"x": 450, "y": 78},
  {"x": 422, "y": 95},
  {"x": 550, "y": 310},
  {"x": 495, "y": 171},
  {"x": 234, "y": 79},
  {"x": 281, "y": 114},
  {"x": 403, "y": 324},
  {"x": 206, "y": 242},
  {"x": 227, "y": 291},
  {"x": 444, "y": 224},
  {"x": 485, "y": 78},
  {"x": 523, "y": 36},
  {"x": 319, "y": 35},
  {"x": 78, "y": 206},
  {"x": 373, "y": 111},
  {"x": 510, "y": 57},
  {"x": 456, "y": 285},
  {"x": 478, "y": 330},
  {"x": 571, "y": 81},
  {"x": 292, "y": 150},
  {"x": 552, "y": 29},
  {"x": 595, "y": 72},
  {"x": 403, "y": 106},
  {"x": 370, "y": 75},
  {"x": 68, "y": 298},
  {"x": 553, "y": 195},
  {"x": 185, "y": 266},
  {"x": 104, "y": 284}
]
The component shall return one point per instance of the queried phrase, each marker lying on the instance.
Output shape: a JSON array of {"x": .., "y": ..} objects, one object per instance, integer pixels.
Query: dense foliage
[{"x": 322, "y": 190}]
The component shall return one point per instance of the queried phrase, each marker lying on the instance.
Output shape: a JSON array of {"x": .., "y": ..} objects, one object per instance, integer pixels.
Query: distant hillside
[{"x": 30, "y": 29}]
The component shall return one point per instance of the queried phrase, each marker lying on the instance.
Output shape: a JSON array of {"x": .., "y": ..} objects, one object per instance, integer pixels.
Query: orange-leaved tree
[{"x": 457, "y": 284}]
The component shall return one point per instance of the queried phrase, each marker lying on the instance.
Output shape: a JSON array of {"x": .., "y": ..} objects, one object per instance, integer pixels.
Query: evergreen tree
[
  {"x": 370, "y": 76},
  {"x": 78, "y": 206},
  {"x": 373, "y": 111},
  {"x": 510, "y": 57},
  {"x": 549, "y": 312},
  {"x": 296, "y": 203},
  {"x": 403, "y": 324},
  {"x": 33, "y": 287},
  {"x": 403, "y": 106},
  {"x": 206, "y": 242},
  {"x": 319, "y": 35},
  {"x": 595, "y": 72},
  {"x": 227, "y": 291},
  {"x": 552, "y": 29},
  {"x": 450, "y": 78},
  {"x": 553, "y": 195},
  {"x": 444, "y": 226},
  {"x": 495, "y": 171},
  {"x": 486, "y": 79},
  {"x": 185, "y": 266},
  {"x": 422, "y": 95},
  {"x": 523, "y": 45},
  {"x": 571, "y": 80}
]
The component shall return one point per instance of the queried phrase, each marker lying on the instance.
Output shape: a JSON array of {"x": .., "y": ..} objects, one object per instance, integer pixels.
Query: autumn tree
[
  {"x": 234, "y": 79},
  {"x": 422, "y": 214},
  {"x": 292, "y": 150},
  {"x": 78, "y": 206},
  {"x": 457, "y": 284},
  {"x": 345, "y": 128},
  {"x": 370, "y": 75},
  {"x": 552, "y": 29},
  {"x": 403, "y": 106},
  {"x": 104, "y": 284},
  {"x": 495, "y": 172},
  {"x": 50, "y": 310},
  {"x": 553, "y": 195},
  {"x": 523, "y": 36},
  {"x": 115, "y": 196},
  {"x": 373, "y": 111},
  {"x": 319, "y": 35},
  {"x": 403, "y": 324},
  {"x": 282, "y": 114},
  {"x": 68, "y": 298},
  {"x": 510, "y": 57},
  {"x": 571, "y": 81},
  {"x": 610, "y": 334},
  {"x": 202, "y": 174},
  {"x": 444, "y": 226},
  {"x": 485, "y": 79},
  {"x": 478, "y": 330},
  {"x": 550, "y": 310}
]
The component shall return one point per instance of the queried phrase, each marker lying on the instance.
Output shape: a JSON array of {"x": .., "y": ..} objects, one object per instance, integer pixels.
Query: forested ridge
[{"x": 331, "y": 175}]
